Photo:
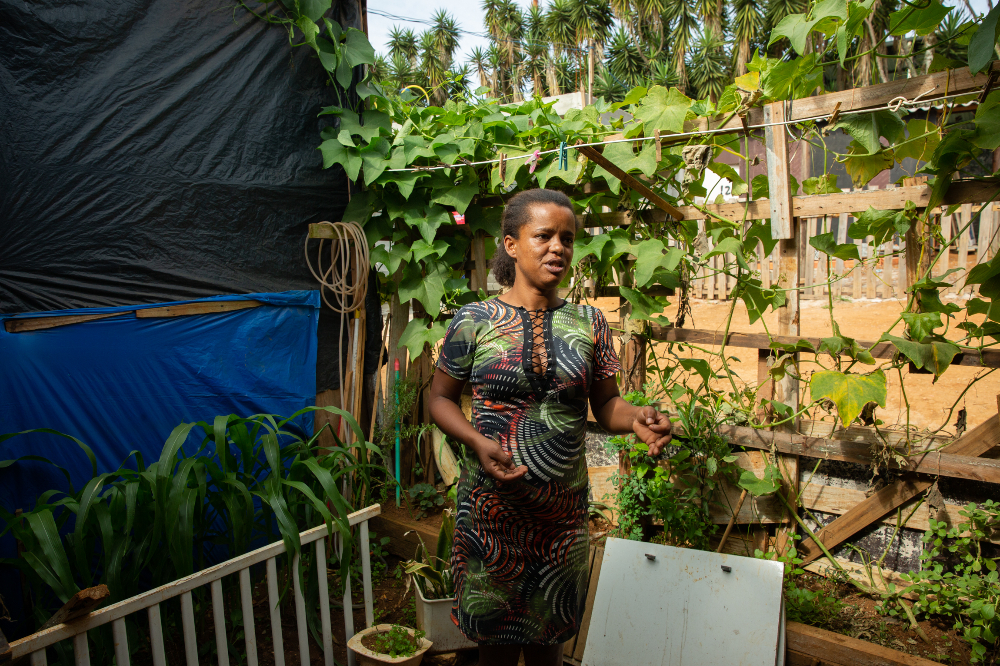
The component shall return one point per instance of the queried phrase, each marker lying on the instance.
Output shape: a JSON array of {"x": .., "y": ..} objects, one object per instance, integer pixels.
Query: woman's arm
[
  {"x": 618, "y": 417},
  {"x": 446, "y": 411}
]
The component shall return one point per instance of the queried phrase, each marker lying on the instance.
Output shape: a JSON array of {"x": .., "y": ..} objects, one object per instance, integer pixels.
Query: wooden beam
[
  {"x": 42, "y": 323},
  {"x": 404, "y": 534},
  {"x": 204, "y": 307},
  {"x": 631, "y": 181},
  {"x": 776, "y": 157},
  {"x": 811, "y": 645},
  {"x": 988, "y": 358},
  {"x": 974, "y": 443},
  {"x": 935, "y": 463},
  {"x": 80, "y": 604}
]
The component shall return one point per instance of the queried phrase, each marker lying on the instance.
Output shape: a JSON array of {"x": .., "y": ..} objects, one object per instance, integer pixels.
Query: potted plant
[
  {"x": 389, "y": 644},
  {"x": 431, "y": 575}
]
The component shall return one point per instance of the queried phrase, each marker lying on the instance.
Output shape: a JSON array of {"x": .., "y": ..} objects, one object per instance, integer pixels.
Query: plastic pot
[
  {"x": 369, "y": 658},
  {"x": 434, "y": 619}
]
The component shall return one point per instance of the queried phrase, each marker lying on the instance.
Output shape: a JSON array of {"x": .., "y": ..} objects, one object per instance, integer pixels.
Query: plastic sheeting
[
  {"x": 160, "y": 150},
  {"x": 123, "y": 383}
]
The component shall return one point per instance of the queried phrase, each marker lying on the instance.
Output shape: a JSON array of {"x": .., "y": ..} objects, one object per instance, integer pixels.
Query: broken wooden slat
[
  {"x": 204, "y": 307},
  {"x": 631, "y": 181},
  {"x": 41, "y": 323},
  {"x": 807, "y": 644},
  {"x": 80, "y": 604},
  {"x": 974, "y": 443},
  {"x": 988, "y": 359}
]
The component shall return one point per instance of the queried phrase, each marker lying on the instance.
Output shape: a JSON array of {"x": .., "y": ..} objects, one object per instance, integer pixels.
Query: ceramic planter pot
[
  {"x": 434, "y": 619},
  {"x": 369, "y": 658}
]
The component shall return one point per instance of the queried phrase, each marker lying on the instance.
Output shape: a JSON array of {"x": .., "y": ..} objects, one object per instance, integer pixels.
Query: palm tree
[
  {"x": 562, "y": 36},
  {"x": 684, "y": 23},
  {"x": 624, "y": 59},
  {"x": 566, "y": 73},
  {"x": 432, "y": 67},
  {"x": 708, "y": 70},
  {"x": 403, "y": 42},
  {"x": 480, "y": 60},
  {"x": 713, "y": 14},
  {"x": 445, "y": 31},
  {"x": 380, "y": 70},
  {"x": 536, "y": 50},
  {"x": 747, "y": 23},
  {"x": 592, "y": 21},
  {"x": 505, "y": 23}
]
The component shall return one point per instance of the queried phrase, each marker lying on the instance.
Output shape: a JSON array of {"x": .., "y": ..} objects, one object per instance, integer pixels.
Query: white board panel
[{"x": 683, "y": 609}]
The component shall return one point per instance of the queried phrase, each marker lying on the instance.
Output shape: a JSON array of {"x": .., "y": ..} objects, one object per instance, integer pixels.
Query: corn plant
[
  {"x": 141, "y": 526},
  {"x": 433, "y": 572}
]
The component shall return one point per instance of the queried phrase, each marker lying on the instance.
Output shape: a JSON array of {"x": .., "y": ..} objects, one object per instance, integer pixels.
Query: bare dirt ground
[{"x": 864, "y": 320}]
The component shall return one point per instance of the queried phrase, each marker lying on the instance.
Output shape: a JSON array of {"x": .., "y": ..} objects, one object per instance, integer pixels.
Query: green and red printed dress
[{"x": 520, "y": 552}]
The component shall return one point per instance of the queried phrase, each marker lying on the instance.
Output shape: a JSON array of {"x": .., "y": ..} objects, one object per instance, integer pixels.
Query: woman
[{"x": 521, "y": 543}]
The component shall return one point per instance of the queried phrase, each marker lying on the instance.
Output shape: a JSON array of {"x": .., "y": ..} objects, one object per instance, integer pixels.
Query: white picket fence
[{"x": 36, "y": 644}]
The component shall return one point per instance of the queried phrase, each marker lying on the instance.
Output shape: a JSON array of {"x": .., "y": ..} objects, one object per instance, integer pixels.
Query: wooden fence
[
  {"x": 36, "y": 644},
  {"x": 885, "y": 279}
]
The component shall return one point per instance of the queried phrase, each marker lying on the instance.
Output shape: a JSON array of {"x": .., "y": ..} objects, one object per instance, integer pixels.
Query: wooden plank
[
  {"x": 207, "y": 307},
  {"x": 989, "y": 358},
  {"x": 403, "y": 534},
  {"x": 246, "y": 605},
  {"x": 569, "y": 647},
  {"x": 932, "y": 463},
  {"x": 81, "y": 651},
  {"x": 300, "y": 613},
  {"x": 26, "y": 324},
  {"x": 963, "y": 247},
  {"x": 804, "y": 641},
  {"x": 776, "y": 157},
  {"x": 480, "y": 268},
  {"x": 324, "y": 603},
  {"x": 838, "y": 289},
  {"x": 631, "y": 181},
  {"x": 595, "y": 575},
  {"x": 974, "y": 443},
  {"x": 188, "y": 630},
  {"x": 366, "y": 575},
  {"x": 120, "y": 635},
  {"x": 80, "y": 604}
]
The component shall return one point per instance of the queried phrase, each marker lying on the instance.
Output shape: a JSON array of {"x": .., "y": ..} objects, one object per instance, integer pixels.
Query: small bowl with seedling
[{"x": 389, "y": 644}]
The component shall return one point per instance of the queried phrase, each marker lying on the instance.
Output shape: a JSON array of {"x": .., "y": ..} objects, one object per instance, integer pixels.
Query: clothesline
[{"x": 893, "y": 105}]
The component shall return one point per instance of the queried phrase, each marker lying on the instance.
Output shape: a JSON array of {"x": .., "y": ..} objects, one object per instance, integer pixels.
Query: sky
[{"x": 469, "y": 15}]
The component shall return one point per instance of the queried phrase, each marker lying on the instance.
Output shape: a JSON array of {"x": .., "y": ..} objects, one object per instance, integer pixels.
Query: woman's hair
[{"x": 516, "y": 214}]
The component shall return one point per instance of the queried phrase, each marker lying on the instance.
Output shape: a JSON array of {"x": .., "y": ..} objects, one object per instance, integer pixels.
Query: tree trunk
[
  {"x": 550, "y": 77},
  {"x": 743, "y": 56},
  {"x": 929, "y": 42}
]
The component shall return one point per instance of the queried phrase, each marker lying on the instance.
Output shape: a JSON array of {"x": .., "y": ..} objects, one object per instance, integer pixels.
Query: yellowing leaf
[{"x": 849, "y": 392}]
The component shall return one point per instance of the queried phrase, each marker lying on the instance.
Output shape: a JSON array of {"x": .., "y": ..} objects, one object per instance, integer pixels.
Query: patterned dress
[{"x": 520, "y": 552}]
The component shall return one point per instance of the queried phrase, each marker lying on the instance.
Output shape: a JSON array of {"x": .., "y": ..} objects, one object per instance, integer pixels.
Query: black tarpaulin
[{"x": 158, "y": 150}]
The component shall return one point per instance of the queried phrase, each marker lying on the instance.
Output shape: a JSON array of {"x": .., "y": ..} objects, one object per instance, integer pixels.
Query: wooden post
[
  {"x": 841, "y": 239},
  {"x": 479, "y": 268},
  {"x": 792, "y": 252}
]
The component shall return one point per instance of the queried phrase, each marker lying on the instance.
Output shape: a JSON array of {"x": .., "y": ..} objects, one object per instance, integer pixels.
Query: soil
[
  {"x": 371, "y": 642},
  {"x": 863, "y": 320},
  {"x": 859, "y": 619}
]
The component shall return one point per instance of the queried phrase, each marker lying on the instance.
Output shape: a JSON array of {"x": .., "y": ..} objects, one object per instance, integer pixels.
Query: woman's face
[{"x": 544, "y": 248}]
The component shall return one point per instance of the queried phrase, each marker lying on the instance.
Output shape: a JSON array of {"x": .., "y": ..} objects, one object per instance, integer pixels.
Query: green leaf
[
  {"x": 652, "y": 255},
  {"x": 360, "y": 207},
  {"x": 392, "y": 258},
  {"x": 645, "y": 307},
  {"x": 335, "y": 152},
  {"x": 849, "y": 392},
  {"x": 758, "y": 299},
  {"x": 459, "y": 196},
  {"x": 761, "y": 487},
  {"x": 428, "y": 220},
  {"x": 796, "y": 27},
  {"x": 987, "y": 134},
  {"x": 732, "y": 246},
  {"x": 357, "y": 49},
  {"x": 427, "y": 289},
  {"x": 586, "y": 246},
  {"x": 826, "y": 184},
  {"x": 825, "y": 243},
  {"x": 981, "y": 45},
  {"x": 881, "y": 224},
  {"x": 309, "y": 30},
  {"x": 698, "y": 365},
  {"x": 866, "y": 128},
  {"x": 862, "y": 166},
  {"x": 760, "y": 231},
  {"x": 422, "y": 248},
  {"x": 417, "y": 333},
  {"x": 920, "y": 148},
  {"x": 922, "y": 324},
  {"x": 760, "y": 187},
  {"x": 663, "y": 109},
  {"x": 373, "y": 157},
  {"x": 314, "y": 9},
  {"x": 922, "y": 21},
  {"x": 934, "y": 355}
]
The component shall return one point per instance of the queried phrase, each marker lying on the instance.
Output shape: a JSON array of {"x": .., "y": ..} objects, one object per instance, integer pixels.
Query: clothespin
[
  {"x": 834, "y": 115},
  {"x": 563, "y": 157},
  {"x": 988, "y": 87},
  {"x": 659, "y": 148},
  {"x": 533, "y": 160},
  {"x": 503, "y": 166}
]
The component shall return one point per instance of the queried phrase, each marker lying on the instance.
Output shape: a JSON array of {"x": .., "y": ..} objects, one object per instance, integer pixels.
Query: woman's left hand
[{"x": 653, "y": 428}]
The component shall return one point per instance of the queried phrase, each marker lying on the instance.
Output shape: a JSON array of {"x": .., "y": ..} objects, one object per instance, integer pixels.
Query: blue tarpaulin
[{"x": 123, "y": 383}]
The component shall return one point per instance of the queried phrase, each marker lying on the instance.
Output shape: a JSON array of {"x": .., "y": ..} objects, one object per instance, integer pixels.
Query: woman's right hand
[{"x": 498, "y": 464}]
